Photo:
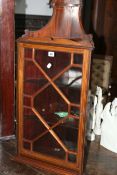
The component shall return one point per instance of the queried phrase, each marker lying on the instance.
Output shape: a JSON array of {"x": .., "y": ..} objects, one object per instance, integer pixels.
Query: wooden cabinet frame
[
  {"x": 53, "y": 78},
  {"x": 30, "y": 156}
]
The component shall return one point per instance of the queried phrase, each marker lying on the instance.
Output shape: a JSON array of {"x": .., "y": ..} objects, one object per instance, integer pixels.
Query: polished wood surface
[
  {"x": 30, "y": 155},
  {"x": 24, "y": 133},
  {"x": 99, "y": 161},
  {"x": 7, "y": 67},
  {"x": 65, "y": 21},
  {"x": 45, "y": 58}
]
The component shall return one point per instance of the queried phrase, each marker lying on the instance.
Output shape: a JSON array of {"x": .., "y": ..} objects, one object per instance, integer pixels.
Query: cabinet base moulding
[{"x": 46, "y": 167}]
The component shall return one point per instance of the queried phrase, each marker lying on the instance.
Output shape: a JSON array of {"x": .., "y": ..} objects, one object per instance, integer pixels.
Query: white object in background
[
  {"x": 109, "y": 126},
  {"x": 98, "y": 112},
  {"x": 91, "y": 117},
  {"x": 51, "y": 54}
]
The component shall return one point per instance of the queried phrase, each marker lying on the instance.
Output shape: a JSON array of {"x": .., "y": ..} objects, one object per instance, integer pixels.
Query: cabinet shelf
[
  {"x": 43, "y": 81},
  {"x": 68, "y": 123}
]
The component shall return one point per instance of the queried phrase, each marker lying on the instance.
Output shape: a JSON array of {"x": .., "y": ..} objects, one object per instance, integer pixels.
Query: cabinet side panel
[{"x": 84, "y": 96}]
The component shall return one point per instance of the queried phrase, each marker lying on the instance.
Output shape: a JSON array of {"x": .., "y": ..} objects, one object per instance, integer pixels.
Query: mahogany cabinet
[{"x": 53, "y": 78}]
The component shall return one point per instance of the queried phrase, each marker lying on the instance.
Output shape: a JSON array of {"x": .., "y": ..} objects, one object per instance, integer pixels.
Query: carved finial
[{"x": 65, "y": 23}]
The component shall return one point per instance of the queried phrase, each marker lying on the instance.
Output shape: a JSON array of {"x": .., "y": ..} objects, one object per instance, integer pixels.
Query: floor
[{"x": 99, "y": 161}]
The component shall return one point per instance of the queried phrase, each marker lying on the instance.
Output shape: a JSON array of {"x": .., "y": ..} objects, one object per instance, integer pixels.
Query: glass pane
[
  {"x": 49, "y": 146},
  {"x": 27, "y": 145},
  {"x": 72, "y": 158},
  {"x": 68, "y": 133},
  {"x": 52, "y": 62},
  {"x": 33, "y": 78},
  {"x": 32, "y": 126},
  {"x": 75, "y": 111},
  {"x": 78, "y": 58},
  {"x": 28, "y": 53},
  {"x": 70, "y": 84},
  {"x": 27, "y": 100},
  {"x": 49, "y": 103}
]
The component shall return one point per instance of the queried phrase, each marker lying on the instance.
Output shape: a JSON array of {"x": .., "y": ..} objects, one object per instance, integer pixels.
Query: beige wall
[{"x": 32, "y": 7}]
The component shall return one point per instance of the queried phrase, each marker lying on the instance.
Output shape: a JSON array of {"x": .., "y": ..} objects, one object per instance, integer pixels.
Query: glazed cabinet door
[{"x": 51, "y": 109}]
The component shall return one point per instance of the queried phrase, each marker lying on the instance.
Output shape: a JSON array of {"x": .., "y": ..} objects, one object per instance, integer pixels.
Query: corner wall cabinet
[{"x": 53, "y": 75}]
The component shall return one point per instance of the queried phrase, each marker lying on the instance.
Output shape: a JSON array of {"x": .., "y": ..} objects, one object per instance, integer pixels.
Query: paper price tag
[{"x": 51, "y": 54}]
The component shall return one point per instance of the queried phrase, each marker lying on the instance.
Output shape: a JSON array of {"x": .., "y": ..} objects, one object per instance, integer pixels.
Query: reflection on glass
[{"x": 70, "y": 84}]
